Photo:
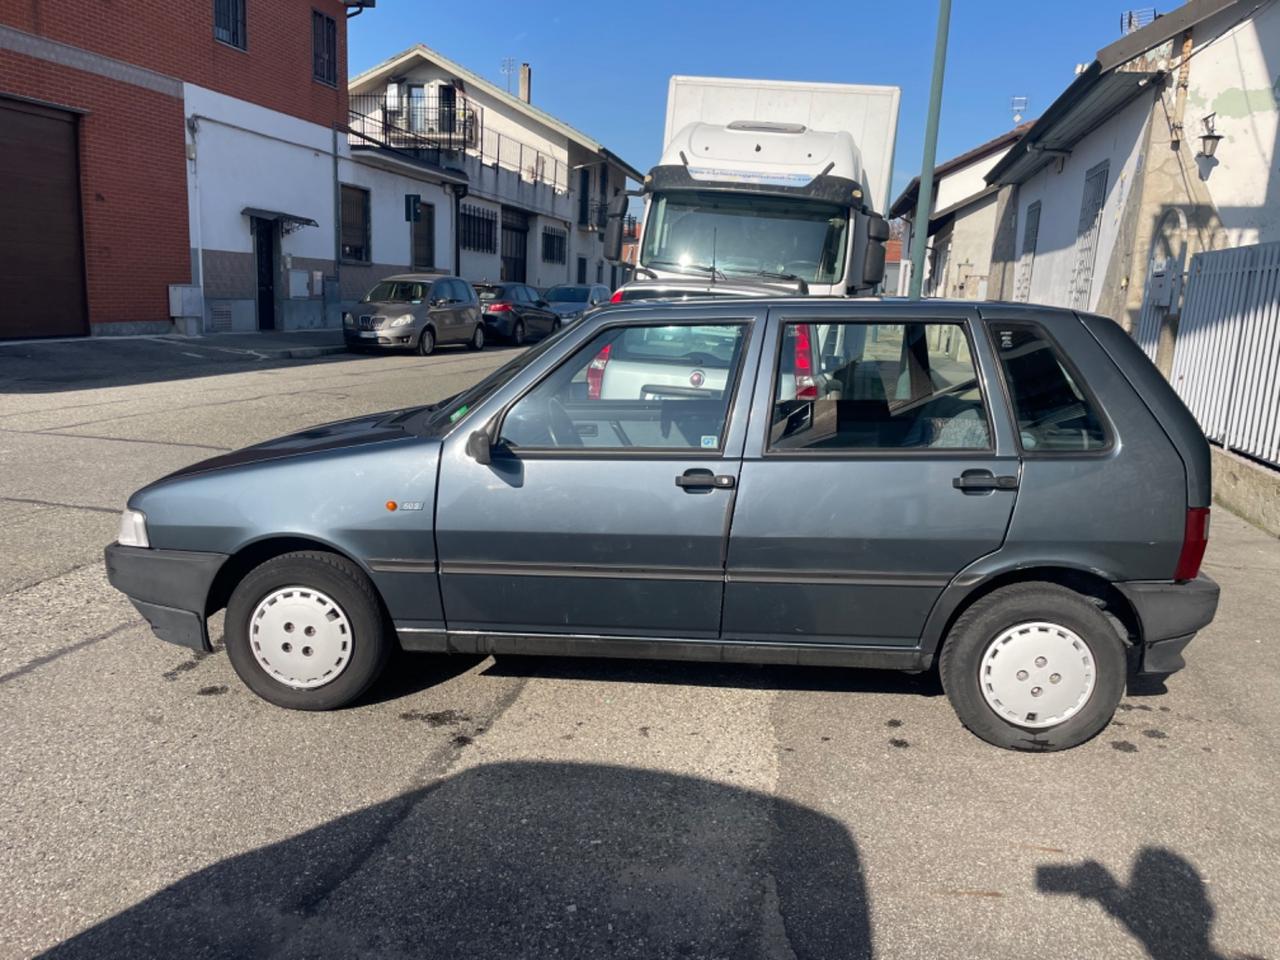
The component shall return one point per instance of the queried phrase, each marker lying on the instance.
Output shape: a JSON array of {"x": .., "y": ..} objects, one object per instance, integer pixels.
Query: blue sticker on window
[{"x": 710, "y": 443}]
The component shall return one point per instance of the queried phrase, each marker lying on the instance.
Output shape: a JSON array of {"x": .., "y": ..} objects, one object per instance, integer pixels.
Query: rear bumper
[
  {"x": 1170, "y": 614},
  {"x": 501, "y": 324},
  {"x": 168, "y": 587}
]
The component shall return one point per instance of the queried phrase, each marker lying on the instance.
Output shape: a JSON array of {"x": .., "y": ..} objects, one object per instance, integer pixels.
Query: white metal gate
[
  {"x": 1226, "y": 362},
  {"x": 1095, "y": 198}
]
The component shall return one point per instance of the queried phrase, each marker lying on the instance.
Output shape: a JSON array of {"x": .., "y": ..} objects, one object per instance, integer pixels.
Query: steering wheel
[{"x": 560, "y": 425}]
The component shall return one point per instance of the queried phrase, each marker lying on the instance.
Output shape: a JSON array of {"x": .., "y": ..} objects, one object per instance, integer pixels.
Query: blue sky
[{"x": 604, "y": 68}]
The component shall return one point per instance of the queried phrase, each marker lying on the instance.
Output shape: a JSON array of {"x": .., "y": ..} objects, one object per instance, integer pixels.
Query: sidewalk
[{"x": 75, "y": 363}]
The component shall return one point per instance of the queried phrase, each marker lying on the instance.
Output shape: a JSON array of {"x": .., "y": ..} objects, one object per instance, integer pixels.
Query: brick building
[{"x": 99, "y": 146}]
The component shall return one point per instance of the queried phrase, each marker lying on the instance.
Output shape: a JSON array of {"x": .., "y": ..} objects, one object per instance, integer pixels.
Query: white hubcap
[
  {"x": 1037, "y": 674},
  {"x": 301, "y": 637}
]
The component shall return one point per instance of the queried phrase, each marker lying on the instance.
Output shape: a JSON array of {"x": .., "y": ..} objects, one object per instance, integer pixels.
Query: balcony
[{"x": 450, "y": 130}]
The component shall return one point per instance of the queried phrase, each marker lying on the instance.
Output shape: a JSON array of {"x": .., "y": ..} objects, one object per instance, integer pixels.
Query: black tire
[
  {"x": 555, "y": 327},
  {"x": 348, "y": 586},
  {"x": 517, "y": 333},
  {"x": 427, "y": 342},
  {"x": 975, "y": 630},
  {"x": 477, "y": 338}
]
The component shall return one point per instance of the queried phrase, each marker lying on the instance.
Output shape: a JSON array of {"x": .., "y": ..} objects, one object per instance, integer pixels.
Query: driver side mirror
[
  {"x": 480, "y": 447},
  {"x": 613, "y": 227}
]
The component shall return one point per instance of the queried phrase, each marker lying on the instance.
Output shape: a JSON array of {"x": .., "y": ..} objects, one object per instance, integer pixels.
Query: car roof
[
  {"x": 420, "y": 277},
  {"x": 868, "y": 306}
]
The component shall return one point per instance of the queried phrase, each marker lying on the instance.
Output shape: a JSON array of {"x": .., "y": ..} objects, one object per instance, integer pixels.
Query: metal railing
[
  {"x": 1226, "y": 360},
  {"x": 428, "y": 126}
]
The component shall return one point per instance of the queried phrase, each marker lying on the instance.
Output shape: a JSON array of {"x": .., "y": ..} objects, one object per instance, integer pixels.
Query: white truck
[{"x": 773, "y": 180}]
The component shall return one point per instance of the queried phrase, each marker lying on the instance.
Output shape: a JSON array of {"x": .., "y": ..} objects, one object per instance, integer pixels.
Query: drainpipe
[
  {"x": 457, "y": 229},
  {"x": 193, "y": 156},
  {"x": 1180, "y": 97},
  {"x": 337, "y": 223}
]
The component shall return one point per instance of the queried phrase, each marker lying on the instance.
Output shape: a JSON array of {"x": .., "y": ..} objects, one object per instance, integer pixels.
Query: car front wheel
[
  {"x": 427, "y": 343},
  {"x": 306, "y": 631},
  {"x": 1034, "y": 666}
]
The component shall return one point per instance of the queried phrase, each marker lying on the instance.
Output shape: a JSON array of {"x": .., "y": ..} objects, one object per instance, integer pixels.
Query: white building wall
[
  {"x": 965, "y": 182},
  {"x": 476, "y": 265},
  {"x": 1061, "y": 192},
  {"x": 391, "y": 236},
  {"x": 1235, "y": 74}
]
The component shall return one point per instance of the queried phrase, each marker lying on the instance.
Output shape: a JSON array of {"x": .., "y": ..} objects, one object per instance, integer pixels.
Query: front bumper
[
  {"x": 1170, "y": 614},
  {"x": 168, "y": 587},
  {"x": 391, "y": 338}
]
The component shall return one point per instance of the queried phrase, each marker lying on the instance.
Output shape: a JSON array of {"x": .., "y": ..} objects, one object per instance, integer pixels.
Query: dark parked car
[
  {"x": 516, "y": 312},
  {"x": 418, "y": 311},
  {"x": 1010, "y": 494}
]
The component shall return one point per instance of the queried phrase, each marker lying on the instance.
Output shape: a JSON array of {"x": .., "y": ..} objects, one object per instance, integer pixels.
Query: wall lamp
[{"x": 1209, "y": 139}]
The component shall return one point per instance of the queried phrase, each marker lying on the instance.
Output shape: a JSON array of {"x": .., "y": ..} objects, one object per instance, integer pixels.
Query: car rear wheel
[
  {"x": 1033, "y": 666},
  {"x": 306, "y": 631},
  {"x": 517, "y": 333},
  {"x": 477, "y": 338},
  {"x": 427, "y": 343}
]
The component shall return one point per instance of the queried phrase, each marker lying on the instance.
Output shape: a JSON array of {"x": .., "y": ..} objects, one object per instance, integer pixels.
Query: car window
[
  {"x": 567, "y": 294},
  {"x": 488, "y": 292},
  {"x": 877, "y": 386},
  {"x": 465, "y": 292},
  {"x": 525, "y": 294},
  {"x": 459, "y": 291},
  {"x": 1055, "y": 415},
  {"x": 532, "y": 294},
  {"x": 635, "y": 387}
]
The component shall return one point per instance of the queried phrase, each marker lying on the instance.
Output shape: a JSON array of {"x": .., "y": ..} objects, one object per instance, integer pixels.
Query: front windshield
[
  {"x": 567, "y": 295},
  {"x": 394, "y": 291},
  {"x": 746, "y": 235}
]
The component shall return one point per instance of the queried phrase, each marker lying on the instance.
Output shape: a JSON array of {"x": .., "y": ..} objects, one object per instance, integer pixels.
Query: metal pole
[{"x": 924, "y": 203}]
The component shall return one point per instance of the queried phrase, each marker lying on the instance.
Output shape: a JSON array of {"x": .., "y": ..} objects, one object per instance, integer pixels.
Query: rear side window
[
  {"x": 877, "y": 387},
  {"x": 1055, "y": 414}
]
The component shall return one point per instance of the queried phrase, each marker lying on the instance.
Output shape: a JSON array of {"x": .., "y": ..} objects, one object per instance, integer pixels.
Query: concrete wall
[{"x": 1247, "y": 489}]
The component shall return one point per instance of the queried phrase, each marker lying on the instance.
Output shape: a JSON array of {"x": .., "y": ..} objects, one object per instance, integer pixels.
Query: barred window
[
  {"x": 228, "y": 22},
  {"x": 324, "y": 48},
  {"x": 479, "y": 229},
  {"x": 555, "y": 245},
  {"x": 355, "y": 224}
]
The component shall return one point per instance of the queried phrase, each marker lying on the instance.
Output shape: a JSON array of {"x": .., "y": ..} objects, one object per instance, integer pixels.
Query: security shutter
[
  {"x": 1095, "y": 195},
  {"x": 1027, "y": 262},
  {"x": 42, "y": 289}
]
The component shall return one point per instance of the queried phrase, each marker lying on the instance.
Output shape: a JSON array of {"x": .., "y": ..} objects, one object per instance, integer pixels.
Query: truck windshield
[{"x": 745, "y": 234}]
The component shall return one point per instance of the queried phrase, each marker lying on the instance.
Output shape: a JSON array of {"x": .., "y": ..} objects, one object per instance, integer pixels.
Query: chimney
[{"x": 526, "y": 82}]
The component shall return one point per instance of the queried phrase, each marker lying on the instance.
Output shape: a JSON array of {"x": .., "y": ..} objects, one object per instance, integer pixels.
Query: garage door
[{"x": 41, "y": 251}]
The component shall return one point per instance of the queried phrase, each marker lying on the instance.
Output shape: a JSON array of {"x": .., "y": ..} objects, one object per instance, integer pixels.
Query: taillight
[
  {"x": 498, "y": 308},
  {"x": 1194, "y": 539},
  {"x": 595, "y": 372},
  {"x": 802, "y": 363},
  {"x": 617, "y": 297}
]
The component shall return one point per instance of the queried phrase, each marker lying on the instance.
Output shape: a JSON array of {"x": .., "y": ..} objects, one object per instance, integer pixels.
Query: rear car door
[
  {"x": 880, "y": 463},
  {"x": 606, "y": 507},
  {"x": 460, "y": 311}
]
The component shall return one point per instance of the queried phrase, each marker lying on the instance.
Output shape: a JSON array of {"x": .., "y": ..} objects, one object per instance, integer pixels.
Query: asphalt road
[{"x": 151, "y": 806}]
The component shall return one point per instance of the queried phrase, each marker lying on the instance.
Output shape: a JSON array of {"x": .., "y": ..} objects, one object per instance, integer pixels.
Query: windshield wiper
[
  {"x": 685, "y": 267},
  {"x": 775, "y": 275}
]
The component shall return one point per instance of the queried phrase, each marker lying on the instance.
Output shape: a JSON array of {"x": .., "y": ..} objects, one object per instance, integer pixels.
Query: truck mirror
[
  {"x": 613, "y": 227},
  {"x": 869, "y": 251}
]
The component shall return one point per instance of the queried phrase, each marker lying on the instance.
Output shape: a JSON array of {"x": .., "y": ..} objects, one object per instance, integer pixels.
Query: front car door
[
  {"x": 605, "y": 510},
  {"x": 440, "y": 310},
  {"x": 880, "y": 463}
]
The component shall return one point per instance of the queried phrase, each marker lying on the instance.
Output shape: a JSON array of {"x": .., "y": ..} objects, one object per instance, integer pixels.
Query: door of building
[
  {"x": 264, "y": 249},
  {"x": 42, "y": 288},
  {"x": 515, "y": 244}
]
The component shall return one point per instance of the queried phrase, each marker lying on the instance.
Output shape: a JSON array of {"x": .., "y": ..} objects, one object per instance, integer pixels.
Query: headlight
[
  {"x": 348, "y": 320},
  {"x": 133, "y": 529},
  {"x": 402, "y": 320}
]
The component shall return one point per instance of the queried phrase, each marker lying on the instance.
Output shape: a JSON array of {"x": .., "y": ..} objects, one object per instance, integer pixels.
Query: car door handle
[
  {"x": 705, "y": 480},
  {"x": 980, "y": 481}
]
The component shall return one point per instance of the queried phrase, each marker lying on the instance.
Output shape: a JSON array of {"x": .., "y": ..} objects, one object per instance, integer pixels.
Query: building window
[
  {"x": 582, "y": 269},
  {"x": 228, "y": 22},
  {"x": 1027, "y": 262},
  {"x": 1095, "y": 197},
  {"x": 599, "y": 271},
  {"x": 479, "y": 229},
  {"x": 355, "y": 224},
  {"x": 554, "y": 245},
  {"x": 584, "y": 198},
  {"x": 324, "y": 48},
  {"x": 424, "y": 237}
]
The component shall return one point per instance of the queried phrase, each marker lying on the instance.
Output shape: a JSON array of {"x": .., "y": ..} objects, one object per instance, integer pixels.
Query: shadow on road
[
  {"x": 523, "y": 860},
  {"x": 1165, "y": 906},
  {"x": 743, "y": 676}
]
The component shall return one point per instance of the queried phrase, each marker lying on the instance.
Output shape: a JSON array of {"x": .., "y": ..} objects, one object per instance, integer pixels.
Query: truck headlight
[
  {"x": 402, "y": 320},
  {"x": 348, "y": 320},
  {"x": 133, "y": 529}
]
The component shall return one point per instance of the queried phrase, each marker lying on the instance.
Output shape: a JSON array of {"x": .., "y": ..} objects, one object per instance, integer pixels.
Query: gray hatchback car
[
  {"x": 417, "y": 311},
  {"x": 1012, "y": 495}
]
